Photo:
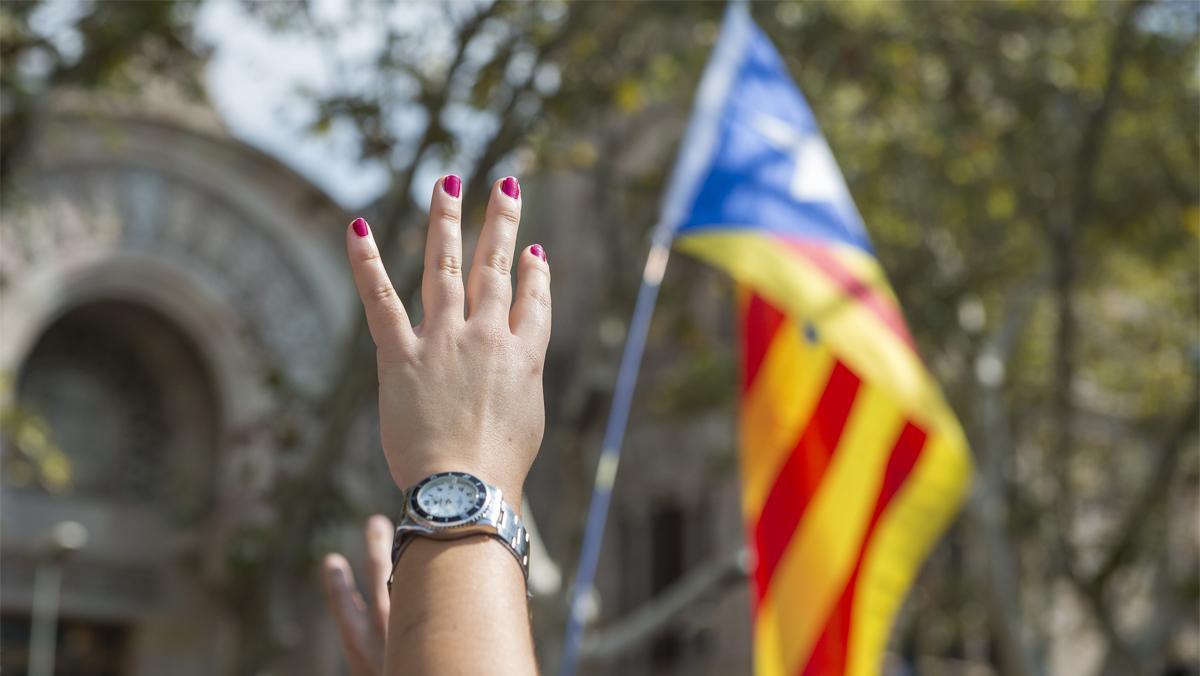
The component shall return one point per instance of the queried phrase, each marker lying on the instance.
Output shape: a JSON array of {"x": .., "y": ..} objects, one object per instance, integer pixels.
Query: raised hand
[
  {"x": 363, "y": 627},
  {"x": 462, "y": 390}
]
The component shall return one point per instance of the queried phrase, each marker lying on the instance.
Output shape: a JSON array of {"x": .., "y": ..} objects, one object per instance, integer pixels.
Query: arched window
[{"x": 127, "y": 398}]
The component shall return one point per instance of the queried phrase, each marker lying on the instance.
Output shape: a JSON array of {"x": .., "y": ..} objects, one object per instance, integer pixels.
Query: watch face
[{"x": 449, "y": 497}]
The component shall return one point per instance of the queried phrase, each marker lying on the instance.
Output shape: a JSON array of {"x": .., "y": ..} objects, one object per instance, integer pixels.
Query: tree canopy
[{"x": 1028, "y": 172}]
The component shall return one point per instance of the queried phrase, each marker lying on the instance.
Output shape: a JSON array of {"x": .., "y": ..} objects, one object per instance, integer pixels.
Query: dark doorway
[{"x": 84, "y": 648}]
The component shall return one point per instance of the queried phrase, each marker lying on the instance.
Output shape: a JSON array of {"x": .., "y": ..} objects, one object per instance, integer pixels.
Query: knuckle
[
  {"x": 509, "y": 216},
  {"x": 500, "y": 262},
  {"x": 532, "y": 359},
  {"x": 496, "y": 336},
  {"x": 459, "y": 342},
  {"x": 447, "y": 215},
  {"x": 383, "y": 293},
  {"x": 450, "y": 265},
  {"x": 493, "y": 336},
  {"x": 369, "y": 256},
  {"x": 540, "y": 297}
]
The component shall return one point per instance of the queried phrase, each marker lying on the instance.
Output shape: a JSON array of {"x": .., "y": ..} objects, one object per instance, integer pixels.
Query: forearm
[
  {"x": 460, "y": 404},
  {"x": 459, "y": 607}
]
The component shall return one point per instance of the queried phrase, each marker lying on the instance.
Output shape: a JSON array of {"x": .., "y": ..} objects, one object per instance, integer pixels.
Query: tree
[{"x": 1028, "y": 173}]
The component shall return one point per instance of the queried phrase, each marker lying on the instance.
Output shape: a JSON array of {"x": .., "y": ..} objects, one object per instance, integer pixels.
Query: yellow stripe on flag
[
  {"x": 857, "y": 335},
  {"x": 903, "y": 537},
  {"x": 777, "y": 408},
  {"x": 843, "y": 292},
  {"x": 813, "y": 571},
  {"x": 768, "y": 645}
]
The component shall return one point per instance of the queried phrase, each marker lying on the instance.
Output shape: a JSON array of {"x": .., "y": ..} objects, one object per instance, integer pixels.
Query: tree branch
[
  {"x": 662, "y": 611},
  {"x": 511, "y": 128},
  {"x": 1151, "y": 494},
  {"x": 1063, "y": 255},
  {"x": 997, "y": 562},
  {"x": 1063, "y": 241}
]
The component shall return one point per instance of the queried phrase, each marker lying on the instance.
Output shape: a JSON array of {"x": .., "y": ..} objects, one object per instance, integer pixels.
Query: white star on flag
[{"x": 817, "y": 177}]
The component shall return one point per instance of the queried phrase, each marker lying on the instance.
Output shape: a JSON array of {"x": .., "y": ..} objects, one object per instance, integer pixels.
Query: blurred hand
[
  {"x": 363, "y": 629},
  {"x": 463, "y": 390}
]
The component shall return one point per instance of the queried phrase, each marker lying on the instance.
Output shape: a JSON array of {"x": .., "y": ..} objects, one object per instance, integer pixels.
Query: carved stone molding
[{"x": 232, "y": 248}]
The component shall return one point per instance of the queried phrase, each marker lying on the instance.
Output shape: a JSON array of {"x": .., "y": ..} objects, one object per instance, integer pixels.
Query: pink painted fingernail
[
  {"x": 360, "y": 227},
  {"x": 538, "y": 251},
  {"x": 510, "y": 187},
  {"x": 452, "y": 185}
]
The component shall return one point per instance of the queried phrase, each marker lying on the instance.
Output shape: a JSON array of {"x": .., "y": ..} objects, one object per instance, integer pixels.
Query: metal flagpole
[
  {"x": 610, "y": 449},
  {"x": 695, "y": 156}
]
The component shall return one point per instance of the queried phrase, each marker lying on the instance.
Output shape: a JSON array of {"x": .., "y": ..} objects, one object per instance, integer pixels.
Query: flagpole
[
  {"x": 700, "y": 142},
  {"x": 610, "y": 449}
]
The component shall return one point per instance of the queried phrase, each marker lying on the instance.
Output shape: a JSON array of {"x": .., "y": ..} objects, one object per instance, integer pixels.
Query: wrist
[
  {"x": 455, "y": 504},
  {"x": 511, "y": 490}
]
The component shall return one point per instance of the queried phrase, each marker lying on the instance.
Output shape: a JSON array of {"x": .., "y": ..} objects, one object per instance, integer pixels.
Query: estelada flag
[{"x": 852, "y": 463}]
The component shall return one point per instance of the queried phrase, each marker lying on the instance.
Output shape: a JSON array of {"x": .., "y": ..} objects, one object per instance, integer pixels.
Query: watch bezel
[{"x": 471, "y": 515}]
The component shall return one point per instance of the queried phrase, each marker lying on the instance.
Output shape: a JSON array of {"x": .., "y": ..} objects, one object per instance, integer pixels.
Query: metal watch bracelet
[{"x": 496, "y": 520}]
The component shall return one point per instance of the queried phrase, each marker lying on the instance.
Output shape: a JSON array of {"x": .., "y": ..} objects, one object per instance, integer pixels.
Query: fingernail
[
  {"x": 360, "y": 227},
  {"x": 452, "y": 185},
  {"x": 510, "y": 187},
  {"x": 538, "y": 251},
  {"x": 339, "y": 578},
  {"x": 375, "y": 532}
]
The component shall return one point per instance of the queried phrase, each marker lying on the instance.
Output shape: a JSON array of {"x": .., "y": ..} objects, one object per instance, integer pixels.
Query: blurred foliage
[
  {"x": 28, "y": 454},
  {"x": 1028, "y": 173},
  {"x": 699, "y": 384},
  {"x": 117, "y": 46}
]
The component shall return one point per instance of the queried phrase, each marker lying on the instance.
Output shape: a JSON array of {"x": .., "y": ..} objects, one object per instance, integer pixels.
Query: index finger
[
  {"x": 489, "y": 287},
  {"x": 379, "y": 567},
  {"x": 344, "y": 601},
  {"x": 386, "y": 317}
]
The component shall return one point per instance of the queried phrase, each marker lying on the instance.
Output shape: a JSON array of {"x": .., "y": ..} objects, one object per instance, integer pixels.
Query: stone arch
[
  {"x": 132, "y": 403},
  {"x": 130, "y": 187},
  {"x": 127, "y": 219}
]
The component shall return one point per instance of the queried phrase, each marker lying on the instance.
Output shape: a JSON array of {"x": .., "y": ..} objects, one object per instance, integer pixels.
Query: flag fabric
[{"x": 852, "y": 464}]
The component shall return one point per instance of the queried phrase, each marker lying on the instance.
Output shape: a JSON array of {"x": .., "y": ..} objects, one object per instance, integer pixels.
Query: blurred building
[
  {"x": 167, "y": 292},
  {"x": 158, "y": 281}
]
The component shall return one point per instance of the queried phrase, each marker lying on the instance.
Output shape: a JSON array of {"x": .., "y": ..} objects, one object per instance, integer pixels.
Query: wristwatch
[{"x": 452, "y": 505}]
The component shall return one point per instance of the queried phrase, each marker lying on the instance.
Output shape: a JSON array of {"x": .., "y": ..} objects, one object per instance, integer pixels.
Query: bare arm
[
  {"x": 463, "y": 611},
  {"x": 461, "y": 391}
]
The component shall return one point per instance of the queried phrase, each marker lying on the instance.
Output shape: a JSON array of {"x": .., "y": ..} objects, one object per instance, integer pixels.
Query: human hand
[
  {"x": 463, "y": 390},
  {"x": 363, "y": 629}
]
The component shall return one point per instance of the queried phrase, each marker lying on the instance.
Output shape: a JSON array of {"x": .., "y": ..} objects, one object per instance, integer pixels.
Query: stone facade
[
  {"x": 160, "y": 284},
  {"x": 155, "y": 276}
]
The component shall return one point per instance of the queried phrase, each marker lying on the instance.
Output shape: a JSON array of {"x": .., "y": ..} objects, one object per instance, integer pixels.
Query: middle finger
[{"x": 489, "y": 288}]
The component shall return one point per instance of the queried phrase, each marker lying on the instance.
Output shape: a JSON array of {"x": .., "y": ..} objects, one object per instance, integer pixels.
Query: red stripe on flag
[
  {"x": 829, "y": 653},
  {"x": 877, "y": 302},
  {"x": 801, "y": 474},
  {"x": 760, "y": 323}
]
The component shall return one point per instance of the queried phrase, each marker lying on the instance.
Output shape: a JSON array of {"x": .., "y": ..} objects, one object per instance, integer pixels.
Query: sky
[
  {"x": 253, "y": 79},
  {"x": 255, "y": 74},
  {"x": 256, "y": 78}
]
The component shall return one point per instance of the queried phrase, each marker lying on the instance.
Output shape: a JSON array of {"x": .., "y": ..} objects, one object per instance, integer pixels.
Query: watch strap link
[{"x": 511, "y": 531}]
